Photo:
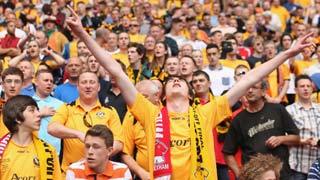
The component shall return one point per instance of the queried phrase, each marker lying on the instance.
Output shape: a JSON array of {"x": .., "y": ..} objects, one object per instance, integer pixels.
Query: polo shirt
[{"x": 73, "y": 116}]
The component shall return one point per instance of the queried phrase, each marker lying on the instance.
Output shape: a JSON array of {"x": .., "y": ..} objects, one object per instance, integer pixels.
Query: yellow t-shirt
[
  {"x": 272, "y": 79},
  {"x": 212, "y": 113},
  {"x": 137, "y": 38},
  {"x": 20, "y": 162},
  {"x": 283, "y": 15},
  {"x": 134, "y": 136},
  {"x": 300, "y": 66},
  {"x": 72, "y": 116},
  {"x": 123, "y": 57},
  {"x": 234, "y": 63},
  {"x": 303, "y": 3}
]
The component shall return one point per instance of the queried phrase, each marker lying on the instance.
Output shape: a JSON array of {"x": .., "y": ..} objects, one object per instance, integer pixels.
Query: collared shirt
[
  {"x": 43, "y": 131},
  {"x": 114, "y": 170},
  {"x": 221, "y": 79},
  {"x": 74, "y": 116},
  {"x": 28, "y": 91},
  {"x": 308, "y": 122}
]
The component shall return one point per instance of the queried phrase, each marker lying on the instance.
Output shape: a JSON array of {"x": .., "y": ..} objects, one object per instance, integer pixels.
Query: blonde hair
[{"x": 260, "y": 164}]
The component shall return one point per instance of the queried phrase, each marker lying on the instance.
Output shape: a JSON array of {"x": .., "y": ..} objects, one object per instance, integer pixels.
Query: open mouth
[{"x": 176, "y": 85}]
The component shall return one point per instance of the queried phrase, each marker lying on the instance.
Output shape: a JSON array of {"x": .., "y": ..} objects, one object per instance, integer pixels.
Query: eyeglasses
[
  {"x": 241, "y": 73},
  {"x": 85, "y": 121}
]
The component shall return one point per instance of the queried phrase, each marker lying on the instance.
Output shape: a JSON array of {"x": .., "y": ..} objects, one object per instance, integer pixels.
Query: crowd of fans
[{"x": 160, "y": 89}]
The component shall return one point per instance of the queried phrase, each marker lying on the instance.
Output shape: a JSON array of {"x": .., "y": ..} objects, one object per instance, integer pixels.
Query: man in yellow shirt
[
  {"x": 71, "y": 121},
  {"x": 135, "y": 136},
  {"x": 134, "y": 31},
  {"x": 185, "y": 152},
  {"x": 280, "y": 11}
]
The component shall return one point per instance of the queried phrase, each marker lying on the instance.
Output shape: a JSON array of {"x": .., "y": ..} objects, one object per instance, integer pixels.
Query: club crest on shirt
[
  {"x": 100, "y": 114},
  {"x": 36, "y": 161}
]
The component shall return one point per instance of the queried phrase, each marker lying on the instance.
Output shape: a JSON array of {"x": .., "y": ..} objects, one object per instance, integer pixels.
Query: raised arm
[
  {"x": 128, "y": 90},
  {"x": 14, "y": 61},
  {"x": 256, "y": 74},
  {"x": 57, "y": 59}
]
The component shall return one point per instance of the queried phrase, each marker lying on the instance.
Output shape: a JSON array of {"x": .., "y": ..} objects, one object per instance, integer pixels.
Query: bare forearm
[
  {"x": 23, "y": 41},
  {"x": 14, "y": 61},
  {"x": 58, "y": 59},
  {"x": 60, "y": 131},
  {"x": 254, "y": 76},
  {"x": 117, "y": 147},
  {"x": 133, "y": 165},
  {"x": 284, "y": 89},
  {"x": 113, "y": 67},
  {"x": 232, "y": 163},
  {"x": 290, "y": 140},
  {"x": 4, "y": 50}
]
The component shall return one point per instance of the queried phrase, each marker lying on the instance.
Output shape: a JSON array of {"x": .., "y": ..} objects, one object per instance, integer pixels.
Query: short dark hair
[
  {"x": 264, "y": 84},
  {"x": 141, "y": 50},
  {"x": 215, "y": 32},
  {"x": 300, "y": 77},
  {"x": 12, "y": 71},
  {"x": 13, "y": 111},
  {"x": 103, "y": 132},
  {"x": 211, "y": 45},
  {"x": 200, "y": 72}
]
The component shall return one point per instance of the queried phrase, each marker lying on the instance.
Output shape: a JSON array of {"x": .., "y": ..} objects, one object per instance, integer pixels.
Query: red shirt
[{"x": 9, "y": 41}]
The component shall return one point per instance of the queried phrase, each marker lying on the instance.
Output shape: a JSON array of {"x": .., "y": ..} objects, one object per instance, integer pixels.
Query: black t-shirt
[
  {"x": 252, "y": 60},
  {"x": 250, "y": 131}
]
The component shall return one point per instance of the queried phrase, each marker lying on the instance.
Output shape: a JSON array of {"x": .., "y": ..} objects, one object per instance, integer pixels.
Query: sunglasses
[
  {"x": 134, "y": 25},
  {"x": 85, "y": 121},
  {"x": 241, "y": 73}
]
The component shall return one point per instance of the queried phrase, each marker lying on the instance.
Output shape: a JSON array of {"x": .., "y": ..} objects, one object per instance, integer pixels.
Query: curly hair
[{"x": 260, "y": 164}]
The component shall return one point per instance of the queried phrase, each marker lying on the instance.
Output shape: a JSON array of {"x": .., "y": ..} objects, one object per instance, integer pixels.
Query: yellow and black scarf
[{"x": 45, "y": 154}]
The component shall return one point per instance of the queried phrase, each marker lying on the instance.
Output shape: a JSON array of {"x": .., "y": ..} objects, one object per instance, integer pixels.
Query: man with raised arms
[{"x": 181, "y": 146}]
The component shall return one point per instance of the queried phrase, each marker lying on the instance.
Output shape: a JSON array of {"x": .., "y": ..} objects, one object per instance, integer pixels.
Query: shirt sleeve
[
  {"x": 143, "y": 110},
  {"x": 219, "y": 109},
  {"x": 115, "y": 125},
  {"x": 288, "y": 122},
  {"x": 61, "y": 115},
  {"x": 128, "y": 136},
  {"x": 231, "y": 142}
]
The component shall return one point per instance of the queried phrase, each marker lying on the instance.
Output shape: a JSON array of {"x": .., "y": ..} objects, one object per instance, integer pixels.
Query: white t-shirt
[{"x": 221, "y": 79}]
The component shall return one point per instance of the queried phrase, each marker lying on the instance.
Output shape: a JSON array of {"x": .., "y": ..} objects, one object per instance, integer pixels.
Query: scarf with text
[
  {"x": 201, "y": 166},
  {"x": 162, "y": 161},
  {"x": 44, "y": 152}
]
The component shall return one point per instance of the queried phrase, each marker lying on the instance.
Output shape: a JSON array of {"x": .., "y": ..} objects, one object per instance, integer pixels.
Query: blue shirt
[
  {"x": 66, "y": 92},
  {"x": 43, "y": 131},
  {"x": 28, "y": 91}
]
